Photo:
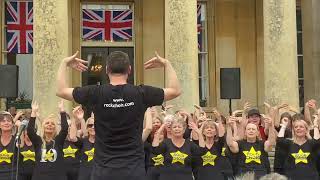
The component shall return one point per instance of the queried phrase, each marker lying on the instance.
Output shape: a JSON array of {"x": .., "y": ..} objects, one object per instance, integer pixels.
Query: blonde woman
[
  {"x": 7, "y": 145},
  {"x": 49, "y": 145},
  {"x": 87, "y": 150},
  {"x": 301, "y": 151},
  {"x": 178, "y": 153},
  {"x": 251, "y": 151}
]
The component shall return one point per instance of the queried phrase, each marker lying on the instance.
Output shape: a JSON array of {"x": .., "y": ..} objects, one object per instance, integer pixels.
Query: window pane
[
  {"x": 301, "y": 93},
  {"x": 299, "y": 43},
  {"x": 202, "y": 56},
  {"x": 300, "y": 66},
  {"x": 107, "y": 23},
  {"x": 299, "y": 20}
]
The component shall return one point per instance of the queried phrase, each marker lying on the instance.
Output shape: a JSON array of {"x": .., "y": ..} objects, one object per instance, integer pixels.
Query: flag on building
[
  {"x": 19, "y": 31},
  {"x": 110, "y": 25}
]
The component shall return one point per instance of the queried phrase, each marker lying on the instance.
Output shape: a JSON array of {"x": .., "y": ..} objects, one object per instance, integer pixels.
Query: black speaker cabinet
[
  {"x": 230, "y": 85},
  {"x": 9, "y": 81}
]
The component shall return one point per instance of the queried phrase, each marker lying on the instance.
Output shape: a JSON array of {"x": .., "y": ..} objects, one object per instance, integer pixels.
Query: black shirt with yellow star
[
  {"x": 207, "y": 165},
  {"x": 300, "y": 160},
  {"x": 48, "y": 167},
  {"x": 178, "y": 161},
  {"x": 86, "y": 158},
  {"x": 7, "y": 157},
  {"x": 71, "y": 153},
  {"x": 252, "y": 158},
  {"x": 154, "y": 163},
  {"x": 27, "y": 160}
]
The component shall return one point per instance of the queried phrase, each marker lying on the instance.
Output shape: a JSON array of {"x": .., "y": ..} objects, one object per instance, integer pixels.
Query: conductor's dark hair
[{"x": 118, "y": 63}]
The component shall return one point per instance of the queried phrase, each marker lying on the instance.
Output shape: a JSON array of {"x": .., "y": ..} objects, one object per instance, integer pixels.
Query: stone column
[
  {"x": 51, "y": 44},
  {"x": 280, "y": 52},
  {"x": 181, "y": 48},
  {"x": 311, "y": 48}
]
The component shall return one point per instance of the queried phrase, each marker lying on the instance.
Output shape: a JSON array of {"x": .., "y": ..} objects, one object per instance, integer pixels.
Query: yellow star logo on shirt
[
  {"x": 252, "y": 156},
  {"x": 158, "y": 160},
  {"x": 49, "y": 156},
  {"x": 178, "y": 157},
  {"x": 28, "y": 155},
  {"x": 301, "y": 157},
  {"x": 223, "y": 152},
  {"x": 69, "y": 152},
  {"x": 5, "y": 156},
  {"x": 208, "y": 158},
  {"x": 90, "y": 154}
]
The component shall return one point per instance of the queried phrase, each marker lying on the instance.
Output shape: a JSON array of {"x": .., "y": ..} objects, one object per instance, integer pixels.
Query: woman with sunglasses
[
  {"x": 71, "y": 147},
  {"x": 49, "y": 145},
  {"x": 7, "y": 146},
  {"x": 87, "y": 151}
]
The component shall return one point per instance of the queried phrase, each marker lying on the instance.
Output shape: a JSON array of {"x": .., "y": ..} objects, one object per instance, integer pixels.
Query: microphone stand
[{"x": 18, "y": 143}]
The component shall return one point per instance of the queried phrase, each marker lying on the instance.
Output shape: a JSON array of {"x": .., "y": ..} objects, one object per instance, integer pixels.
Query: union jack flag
[
  {"x": 199, "y": 27},
  {"x": 19, "y": 21},
  {"x": 110, "y": 25}
]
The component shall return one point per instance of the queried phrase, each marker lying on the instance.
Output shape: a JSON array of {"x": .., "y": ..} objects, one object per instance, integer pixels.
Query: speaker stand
[{"x": 230, "y": 107}]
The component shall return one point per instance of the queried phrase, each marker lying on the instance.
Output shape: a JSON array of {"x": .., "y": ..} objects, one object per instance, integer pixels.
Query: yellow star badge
[
  {"x": 208, "y": 158},
  {"x": 90, "y": 154},
  {"x": 69, "y": 152},
  {"x": 28, "y": 155},
  {"x": 301, "y": 157},
  {"x": 223, "y": 152},
  {"x": 252, "y": 156},
  {"x": 5, "y": 156},
  {"x": 49, "y": 156},
  {"x": 178, "y": 157},
  {"x": 158, "y": 160}
]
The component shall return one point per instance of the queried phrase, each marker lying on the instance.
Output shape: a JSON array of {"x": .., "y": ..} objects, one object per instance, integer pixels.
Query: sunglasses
[{"x": 90, "y": 125}]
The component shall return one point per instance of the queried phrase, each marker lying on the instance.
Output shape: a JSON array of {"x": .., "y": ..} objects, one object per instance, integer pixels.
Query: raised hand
[
  {"x": 194, "y": 127},
  {"x": 78, "y": 112},
  {"x": 312, "y": 104},
  {"x": 155, "y": 62},
  {"x": 281, "y": 106},
  {"x": 76, "y": 63},
  {"x": 35, "y": 106},
  {"x": 61, "y": 106},
  {"x": 246, "y": 106}
]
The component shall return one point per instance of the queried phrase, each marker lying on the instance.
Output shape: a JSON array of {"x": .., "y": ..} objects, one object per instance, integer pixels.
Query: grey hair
[
  {"x": 246, "y": 176},
  {"x": 273, "y": 176}
]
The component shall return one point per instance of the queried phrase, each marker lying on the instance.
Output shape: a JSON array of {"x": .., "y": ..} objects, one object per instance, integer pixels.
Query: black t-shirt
[
  {"x": 27, "y": 160},
  {"x": 86, "y": 158},
  {"x": 252, "y": 157},
  {"x": 49, "y": 159},
  {"x": 7, "y": 159},
  {"x": 207, "y": 163},
  {"x": 119, "y": 112},
  {"x": 300, "y": 160},
  {"x": 178, "y": 161},
  {"x": 71, "y": 153}
]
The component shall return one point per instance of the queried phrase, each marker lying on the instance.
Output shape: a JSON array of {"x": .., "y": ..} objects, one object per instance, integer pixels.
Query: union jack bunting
[
  {"x": 199, "y": 27},
  {"x": 110, "y": 25},
  {"x": 19, "y": 21}
]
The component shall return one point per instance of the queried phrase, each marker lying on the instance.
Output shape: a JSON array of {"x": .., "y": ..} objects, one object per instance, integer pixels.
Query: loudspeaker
[
  {"x": 9, "y": 81},
  {"x": 230, "y": 85}
]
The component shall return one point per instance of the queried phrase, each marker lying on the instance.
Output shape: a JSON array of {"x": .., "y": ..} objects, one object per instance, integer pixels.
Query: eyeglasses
[{"x": 90, "y": 125}]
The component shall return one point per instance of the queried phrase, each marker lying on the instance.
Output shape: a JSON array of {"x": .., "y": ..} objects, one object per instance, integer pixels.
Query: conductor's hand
[
  {"x": 76, "y": 63},
  {"x": 155, "y": 62}
]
